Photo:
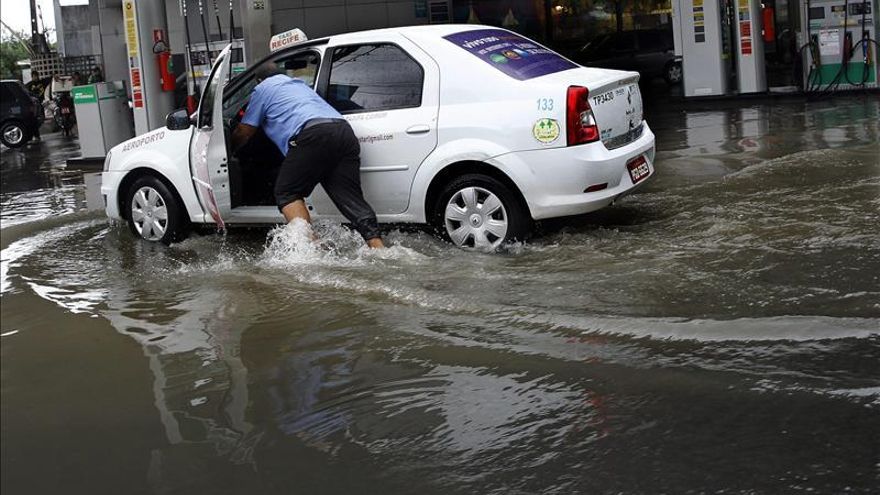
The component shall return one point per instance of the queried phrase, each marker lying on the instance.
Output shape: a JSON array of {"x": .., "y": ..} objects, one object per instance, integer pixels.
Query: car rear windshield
[{"x": 518, "y": 57}]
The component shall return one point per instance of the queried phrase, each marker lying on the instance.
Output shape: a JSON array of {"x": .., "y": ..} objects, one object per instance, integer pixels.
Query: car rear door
[
  {"x": 388, "y": 89},
  {"x": 208, "y": 161}
]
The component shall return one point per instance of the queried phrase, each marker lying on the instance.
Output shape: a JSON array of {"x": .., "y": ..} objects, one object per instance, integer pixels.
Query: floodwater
[{"x": 719, "y": 332}]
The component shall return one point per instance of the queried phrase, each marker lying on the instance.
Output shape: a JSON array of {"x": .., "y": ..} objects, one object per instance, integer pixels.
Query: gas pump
[
  {"x": 839, "y": 44},
  {"x": 202, "y": 54}
]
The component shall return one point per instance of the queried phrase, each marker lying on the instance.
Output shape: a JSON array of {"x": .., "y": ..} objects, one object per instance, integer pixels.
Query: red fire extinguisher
[
  {"x": 166, "y": 70},
  {"x": 163, "y": 58},
  {"x": 769, "y": 18}
]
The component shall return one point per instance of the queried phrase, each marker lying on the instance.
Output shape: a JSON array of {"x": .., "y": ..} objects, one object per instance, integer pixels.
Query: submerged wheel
[
  {"x": 673, "y": 73},
  {"x": 154, "y": 212},
  {"x": 13, "y": 134},
  {"x": 480, "y": 212}
]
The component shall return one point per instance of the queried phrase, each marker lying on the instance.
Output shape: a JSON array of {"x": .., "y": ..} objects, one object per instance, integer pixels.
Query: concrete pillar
[
  {"x": 141, "y": 20},
  {"x": 703, "y": 61},
  {"x": 256, "y": 21},
  {"x": 112, "y": 40},
  {"x": 749, "y": 47}
]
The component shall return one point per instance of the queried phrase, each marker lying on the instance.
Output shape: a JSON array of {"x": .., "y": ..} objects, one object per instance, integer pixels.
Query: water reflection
[{"x": 722, "y": 321}]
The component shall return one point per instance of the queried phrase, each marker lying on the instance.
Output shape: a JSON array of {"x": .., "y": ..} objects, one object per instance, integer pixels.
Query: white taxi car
[{"x": 472, "y": 129}]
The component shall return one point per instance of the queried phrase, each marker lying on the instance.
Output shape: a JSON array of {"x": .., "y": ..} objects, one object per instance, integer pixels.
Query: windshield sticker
[
  {"x": 546, "y": 130},
  {"x": 510, "y": 53}
]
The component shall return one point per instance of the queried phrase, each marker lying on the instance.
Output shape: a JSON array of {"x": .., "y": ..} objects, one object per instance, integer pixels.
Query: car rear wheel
[
  {"x": 477, "y": 211},
  {"x": 673, "y": 73},
  {"x": 13, "y": 134},
  {"x": 155, "y": 213}
]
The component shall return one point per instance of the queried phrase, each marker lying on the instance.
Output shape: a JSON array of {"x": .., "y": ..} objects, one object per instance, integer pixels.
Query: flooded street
[{"x": 719, "y": 331}]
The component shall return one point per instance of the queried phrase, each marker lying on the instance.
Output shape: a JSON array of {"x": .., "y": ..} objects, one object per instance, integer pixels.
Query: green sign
[{"x": 84, "y": 94}]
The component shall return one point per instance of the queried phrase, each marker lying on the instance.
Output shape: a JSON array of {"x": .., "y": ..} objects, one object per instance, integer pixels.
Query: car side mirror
[{"x": 178, "y": 120}]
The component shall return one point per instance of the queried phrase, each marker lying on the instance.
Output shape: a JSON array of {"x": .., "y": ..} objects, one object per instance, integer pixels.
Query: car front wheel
[
  {"x": 155, "y": 213},
  {"x": 13, "y": 134},
  {"x": 480, "y": 212}
]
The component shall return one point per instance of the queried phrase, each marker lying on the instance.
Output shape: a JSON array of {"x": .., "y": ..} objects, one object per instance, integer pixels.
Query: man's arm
[
  {"x": 241, "y": 135},
  {"x": 250, "y": 122}
]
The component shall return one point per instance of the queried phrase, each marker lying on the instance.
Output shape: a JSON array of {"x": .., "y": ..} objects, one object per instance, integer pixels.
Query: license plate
[
  {"x": 638, "y": 169},
  {"x": 65, "y": 111}
]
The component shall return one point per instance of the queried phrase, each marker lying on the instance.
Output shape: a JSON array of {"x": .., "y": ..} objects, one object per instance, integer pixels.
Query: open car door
[{"x": 207, "y": 158}]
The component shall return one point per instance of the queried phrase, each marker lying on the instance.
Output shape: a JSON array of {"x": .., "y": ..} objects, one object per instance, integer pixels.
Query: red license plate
[
  {"x": 638, "y": 169},
  {"x": 65, "y": 111}
]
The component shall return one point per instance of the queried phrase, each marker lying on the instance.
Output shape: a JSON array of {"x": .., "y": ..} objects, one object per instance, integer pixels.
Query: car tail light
[{"x": 579, "y": 119}]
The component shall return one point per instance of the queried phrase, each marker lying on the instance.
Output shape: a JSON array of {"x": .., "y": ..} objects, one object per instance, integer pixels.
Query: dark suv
[
  {"x": 20, "y": 114},
  {"x": 650, "y": 52}
]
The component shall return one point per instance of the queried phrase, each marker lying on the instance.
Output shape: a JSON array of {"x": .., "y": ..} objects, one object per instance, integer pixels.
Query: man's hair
[{"x": 266, "y": 71}]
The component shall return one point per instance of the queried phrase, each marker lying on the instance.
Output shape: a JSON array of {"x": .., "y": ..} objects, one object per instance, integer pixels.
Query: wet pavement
[{"x": 719, "y": 332}]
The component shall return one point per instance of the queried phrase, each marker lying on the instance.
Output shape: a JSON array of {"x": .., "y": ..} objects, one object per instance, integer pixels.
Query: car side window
[
  {"x": 302, "y": 65},
  {"x": 624, "y": 42},
  {"x": 651, "y": 41},
  {"x": 374, "y": 77},
  {"x": 7, "y": 95}
]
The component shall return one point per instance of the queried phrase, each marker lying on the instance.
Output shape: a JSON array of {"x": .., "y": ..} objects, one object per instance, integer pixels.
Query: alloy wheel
[
  {"x": 13, "y": 134},
  {"x": 149, "y": 213}
]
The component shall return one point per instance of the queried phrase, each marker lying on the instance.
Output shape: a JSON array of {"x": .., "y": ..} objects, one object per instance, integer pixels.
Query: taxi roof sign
[{"x": 287, "y": 38}]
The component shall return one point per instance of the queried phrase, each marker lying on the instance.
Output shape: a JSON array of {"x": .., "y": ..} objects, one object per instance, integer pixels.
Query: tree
[{"x": 11, "y": 51}]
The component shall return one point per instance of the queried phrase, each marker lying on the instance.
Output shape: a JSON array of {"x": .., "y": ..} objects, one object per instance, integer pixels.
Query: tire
[
  {"x": 144, "y": 202},
  {"x": 459, "y": 215},
  {"x": 673, "y": 73},
  {"x": 14, "y": 134}
]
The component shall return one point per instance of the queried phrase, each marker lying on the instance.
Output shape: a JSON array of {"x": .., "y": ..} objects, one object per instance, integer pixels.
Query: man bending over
[{"x": 318, "y": 145}]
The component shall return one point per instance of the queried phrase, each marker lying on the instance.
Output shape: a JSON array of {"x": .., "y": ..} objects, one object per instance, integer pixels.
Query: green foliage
[{"x": 11, "y": 51}]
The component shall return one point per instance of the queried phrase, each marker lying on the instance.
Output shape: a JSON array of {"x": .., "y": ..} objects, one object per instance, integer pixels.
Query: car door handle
[{"x": 418, "y": 129}]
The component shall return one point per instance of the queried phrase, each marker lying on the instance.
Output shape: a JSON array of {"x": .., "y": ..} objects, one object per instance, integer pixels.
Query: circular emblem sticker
[{"x": 546, "y": 130}]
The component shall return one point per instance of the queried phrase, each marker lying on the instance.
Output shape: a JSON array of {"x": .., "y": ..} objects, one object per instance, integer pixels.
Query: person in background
[
  {"x": 319, "y": 148},
  {"x": 95, "y": 75}
]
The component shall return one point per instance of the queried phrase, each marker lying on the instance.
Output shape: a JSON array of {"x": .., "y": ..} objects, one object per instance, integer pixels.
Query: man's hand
[{"x": 241, "y": 135}]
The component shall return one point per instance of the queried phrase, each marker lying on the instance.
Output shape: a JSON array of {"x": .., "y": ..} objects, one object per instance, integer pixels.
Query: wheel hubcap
[
  {"x": 476, "y": 218},
  {"x": 13, "y": 134},
  {"x": 149, "y": 213}
]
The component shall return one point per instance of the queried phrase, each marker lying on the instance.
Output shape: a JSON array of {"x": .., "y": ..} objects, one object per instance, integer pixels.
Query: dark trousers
[{"x": 328, "y": 154}]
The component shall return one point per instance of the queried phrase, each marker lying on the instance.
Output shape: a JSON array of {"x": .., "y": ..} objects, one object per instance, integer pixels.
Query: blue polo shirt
[{"x": 281, "y": 105}]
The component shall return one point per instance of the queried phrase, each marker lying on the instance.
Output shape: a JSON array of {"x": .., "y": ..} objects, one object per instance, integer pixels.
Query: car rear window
[{"x": 518, "y": 57}]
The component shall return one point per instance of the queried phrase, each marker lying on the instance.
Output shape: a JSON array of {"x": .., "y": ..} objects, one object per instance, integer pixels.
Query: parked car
[
  {"x": 474, "y": 130},
  {"x": 650, "y": 52},
  {"x": 20, "y": 114}
]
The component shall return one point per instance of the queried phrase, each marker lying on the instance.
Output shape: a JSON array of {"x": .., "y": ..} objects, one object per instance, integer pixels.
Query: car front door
[
  {"x": 208, "y": 161},
  {"x": 388, "y": 90}
]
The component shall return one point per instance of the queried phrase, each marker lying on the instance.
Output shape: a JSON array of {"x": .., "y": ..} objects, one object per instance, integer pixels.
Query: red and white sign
[
  {"x": 286, "y": 39},
  {"x": 745, "y": 33},
  {"x": 135, "y": 78}
]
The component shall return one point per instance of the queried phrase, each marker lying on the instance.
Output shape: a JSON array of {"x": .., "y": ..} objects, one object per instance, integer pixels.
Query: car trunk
[{"x": 614, "y": 97}]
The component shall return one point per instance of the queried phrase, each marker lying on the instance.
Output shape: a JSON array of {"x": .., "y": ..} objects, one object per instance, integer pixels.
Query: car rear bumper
[{"x": 553, "y": 181}]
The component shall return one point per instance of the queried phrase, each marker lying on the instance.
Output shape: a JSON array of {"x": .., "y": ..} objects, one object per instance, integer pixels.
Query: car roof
[
  {"x": 434, "y": 30},
  {"x": 437, "y": 30}
]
